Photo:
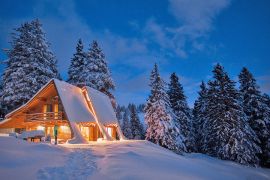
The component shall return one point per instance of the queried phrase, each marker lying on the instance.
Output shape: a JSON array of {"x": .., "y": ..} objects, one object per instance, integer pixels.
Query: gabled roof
[
  {"x": 102, "y": 106},
  {"x": 74, "y": 102},
  {"x": 80, "y": 105},
  {"x": 72, "y": 99}
]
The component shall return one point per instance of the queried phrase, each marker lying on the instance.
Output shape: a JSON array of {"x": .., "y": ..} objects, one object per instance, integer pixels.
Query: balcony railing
[{"x": 48, "y": 116}]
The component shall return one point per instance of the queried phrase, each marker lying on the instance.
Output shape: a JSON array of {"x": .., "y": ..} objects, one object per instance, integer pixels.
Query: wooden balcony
[{"x": 44, "y": 117}]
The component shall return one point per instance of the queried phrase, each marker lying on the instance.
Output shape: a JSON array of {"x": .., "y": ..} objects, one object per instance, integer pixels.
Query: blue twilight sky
[{"x": 183, "y": 36}]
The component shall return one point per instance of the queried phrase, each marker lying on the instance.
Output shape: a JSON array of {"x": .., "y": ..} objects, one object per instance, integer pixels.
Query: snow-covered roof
[
  {"x": 102, "y": 106},
  {"x": 74, "y": 102},
  {"x": 76, "y": 106}
]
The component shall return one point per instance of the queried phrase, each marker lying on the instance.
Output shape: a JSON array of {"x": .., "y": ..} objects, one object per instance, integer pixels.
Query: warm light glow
[
  {"x": 85, "y": 131},
  {"x": 65, "y": 129},
  {"x": 109, "y": 130},
  {"x": 50, "y": 130},
  {"x": 56, "y": 109},
  {"x": 41, "y": 128}
]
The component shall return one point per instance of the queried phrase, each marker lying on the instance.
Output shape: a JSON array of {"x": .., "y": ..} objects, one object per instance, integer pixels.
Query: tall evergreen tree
[
  {"x": 96, "y": 72},
  {"x": 228, "y": 134},
  {"x": 160, "y": 119},
  {"x": 126, "y": 125},
  {"x": 136, "y": 126},
  {"x": 30, "y": 65},
  {"x": 2, "y": 110},
  {"x": 140, "y": 108},
  {"x": 41, "y": 53},
  {"x": 118, "y": 113},
  {"x": 181, "y": 110},
  {"x": 77, "y": 66},
  {"x": 257, "y": 111},
  {"x": 266, "y": 99},
  {"x": 199, "y": 114}
]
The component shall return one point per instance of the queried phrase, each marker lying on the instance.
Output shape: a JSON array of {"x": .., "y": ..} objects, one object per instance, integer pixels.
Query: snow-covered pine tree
[
  {"x": 140, "y": 108},
  {"x": 266, "y": 99},
  {"x": 29, "y": 66},
  {"x": 228, "y": 134},
  {"x": 77, "y": 66},
  {"x": 199, "y": 114},
  {"x": 47, "y": 67},
  {"x": 136, "y": 126},
  {"x": 15, "y": 69},
  {"x": 2, "y": 110},
  {"x": 257, "y": 111},
  {"x": 119, "y": 115},
  {"x": 160, "y": 119},
  {"x": 126, "y": 125},
  {"x": 181, "y": 110},
  {"x": 96, "y": 72}
]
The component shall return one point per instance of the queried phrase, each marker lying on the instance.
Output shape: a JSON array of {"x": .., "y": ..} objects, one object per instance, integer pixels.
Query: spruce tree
[
  {"x": 2, "y": 110},
  {"x": 199, "y": 114},
  {"x": 136, "y": 126},
  {"x": 160, "y": 119},
  {"x": 96, "y": 72},
  {"x": 228, "y": 134},
  {"x": 266, "y": 99},
  {"x": 181, "y": 110},
  {"x": 266, "y": 152},
  {"x": 42, "y": 54},
  {"x": 30, "y": 65},
  {"x": 119, "y": 116},
  {"x": 257, "y": 111},
  {"x": 126, "y": 125},
  {"x": 77, "y": 66},
  {"x": 140, "y": 108}
]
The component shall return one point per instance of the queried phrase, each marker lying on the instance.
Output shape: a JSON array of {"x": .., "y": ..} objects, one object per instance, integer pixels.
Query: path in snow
[
  {"x": 124, "y": 160},
  {"x": 80, "y": 165}
]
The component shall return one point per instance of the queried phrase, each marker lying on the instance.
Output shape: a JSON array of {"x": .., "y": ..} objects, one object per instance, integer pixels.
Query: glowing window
[
  {"x": 109, "y": 130},
  {"x": 41, "y": 128},
  {"x": 65, "y": 129}
]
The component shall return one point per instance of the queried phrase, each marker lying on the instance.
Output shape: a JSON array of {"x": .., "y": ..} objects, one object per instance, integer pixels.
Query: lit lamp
[{"x": 42, "y": 128}]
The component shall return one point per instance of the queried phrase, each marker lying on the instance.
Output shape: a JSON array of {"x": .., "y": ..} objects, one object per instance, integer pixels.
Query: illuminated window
[
  {"x": 109, "y": 130},
  {"x": 65, "y": 129},
  {"x": 49, "y": 130},
  {"x": 85, "y": 131},
  {"x": 41, "y": 128},
  {"x": 56, "y": 109}
]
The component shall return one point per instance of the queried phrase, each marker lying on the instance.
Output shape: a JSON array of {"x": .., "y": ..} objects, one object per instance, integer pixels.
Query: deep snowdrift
[
  {"x": 20, "y": 159},
  {"x": 113, "y": 160}
]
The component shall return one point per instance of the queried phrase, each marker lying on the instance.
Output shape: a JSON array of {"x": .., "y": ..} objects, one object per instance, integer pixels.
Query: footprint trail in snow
[{"x": 80, "y": 165}]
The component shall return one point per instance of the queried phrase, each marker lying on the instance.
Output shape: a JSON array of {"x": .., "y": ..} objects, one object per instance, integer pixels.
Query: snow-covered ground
[{"x": 121, "y": 160}]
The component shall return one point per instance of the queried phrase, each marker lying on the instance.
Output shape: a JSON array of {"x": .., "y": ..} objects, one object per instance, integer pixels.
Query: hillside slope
[{"x": 120, "y": 160}]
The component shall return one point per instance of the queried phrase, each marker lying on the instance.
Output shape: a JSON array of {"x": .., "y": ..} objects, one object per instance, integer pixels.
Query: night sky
[{"x": 183, "y": 36}]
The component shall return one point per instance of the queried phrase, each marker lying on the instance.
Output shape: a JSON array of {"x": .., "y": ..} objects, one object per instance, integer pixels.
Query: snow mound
[
  {"x": 145, "y": 160},
  {"x": 20, "y": 159},
  {"x": 113, "y": 160}
]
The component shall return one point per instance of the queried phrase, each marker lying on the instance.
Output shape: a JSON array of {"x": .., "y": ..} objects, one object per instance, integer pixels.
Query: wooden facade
[
  {"x": 91, "y": 131},
  {"x": 44, "y": 111}
]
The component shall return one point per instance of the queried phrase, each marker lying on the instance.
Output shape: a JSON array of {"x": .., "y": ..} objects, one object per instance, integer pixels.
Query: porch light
[{"x": 42, "y": 128}]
